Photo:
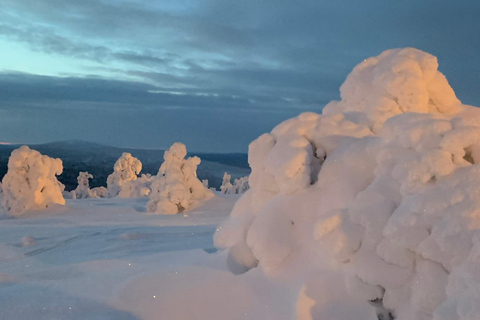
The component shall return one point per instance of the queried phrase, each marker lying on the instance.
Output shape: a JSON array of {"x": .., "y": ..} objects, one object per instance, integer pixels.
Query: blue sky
[{"x": 213, "y": 74}]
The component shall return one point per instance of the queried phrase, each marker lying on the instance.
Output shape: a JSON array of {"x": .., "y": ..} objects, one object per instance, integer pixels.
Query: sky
[{"x": 214, "y": 74}]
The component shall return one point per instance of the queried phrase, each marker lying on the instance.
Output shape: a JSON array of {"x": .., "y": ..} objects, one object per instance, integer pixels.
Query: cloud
[
  {"x": 35, "y": 109},
  {"x": 221, "y": 58}
]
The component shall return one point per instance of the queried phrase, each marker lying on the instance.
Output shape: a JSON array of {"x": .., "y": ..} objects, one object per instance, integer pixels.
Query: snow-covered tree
[
  {"x": 137, "y": 188},
  {"x": 226, "y": 183},
  {"x": 98, "y": 192},
  {"x": 205, "y": 183},
  {"x": 125, "y": 169},
  {"x": 239, "y": 185},
  {"x": 83, "y": 189},
  {"x": 176, "y": 187},
  {"x": 30, "y": 182},
  {"x": 387, "y": 181}
]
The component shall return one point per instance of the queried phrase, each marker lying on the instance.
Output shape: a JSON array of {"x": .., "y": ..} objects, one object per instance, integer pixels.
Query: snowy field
[{"x": 108, "y": 259}]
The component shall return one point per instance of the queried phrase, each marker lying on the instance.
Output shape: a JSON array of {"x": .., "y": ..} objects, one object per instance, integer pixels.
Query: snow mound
[
  {"x": 176, "y": 187},
  {"x": 125, "y": 169},
  {"x": 30, "y": 182},
  {"x": 381, "y": 187}
]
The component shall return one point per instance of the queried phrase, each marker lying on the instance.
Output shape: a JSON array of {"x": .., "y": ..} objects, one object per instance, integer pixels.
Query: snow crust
[
  {"x": 30, "y": 182},
  {"x": 379, "y": 192},
  {"x": 176, "y": 187}
]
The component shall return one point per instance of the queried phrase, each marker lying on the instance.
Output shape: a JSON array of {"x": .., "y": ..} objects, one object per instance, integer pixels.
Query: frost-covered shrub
[
  {"x": 239, "y": 185},
  {"x": 30, "y": 182},
  {"x": 176, "y": 187},
  {"x": 125, "y": 169},
  {"x": 380, "y": 191},
  {"x": 137, "y": 188}
]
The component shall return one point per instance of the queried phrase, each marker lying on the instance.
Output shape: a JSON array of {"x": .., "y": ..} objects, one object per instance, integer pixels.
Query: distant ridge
[{"x": 98, "y": 159}]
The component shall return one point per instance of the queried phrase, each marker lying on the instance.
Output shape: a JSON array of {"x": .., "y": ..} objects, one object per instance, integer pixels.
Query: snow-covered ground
[{"x": 108, "y": 259}]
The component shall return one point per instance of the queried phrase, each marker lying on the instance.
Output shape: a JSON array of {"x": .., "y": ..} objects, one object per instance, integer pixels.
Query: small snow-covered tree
[
  {"x": 30, "y": 182},
  {"x": 239, "y": 185},
  {"x": 226, "y": 184},
  {"x": 176, "y": 187},
  {"x": 205, "y": 183},
  {"x": 125, "y": 169},
  {"x": 99, "y": 192},
  {"x": 83, "y": 189},
  {"x": 137, "y": 188}
]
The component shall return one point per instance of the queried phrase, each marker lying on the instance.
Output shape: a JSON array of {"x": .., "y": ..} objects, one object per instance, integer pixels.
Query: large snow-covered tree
[
  {"x": 176, "y": 187},
  {"x": 376, "y": 199},
  {"x": 30, "y": 182}
]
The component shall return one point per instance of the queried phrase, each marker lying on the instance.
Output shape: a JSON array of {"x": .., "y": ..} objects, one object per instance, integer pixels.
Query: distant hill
[{"x": 99, "y": 159}]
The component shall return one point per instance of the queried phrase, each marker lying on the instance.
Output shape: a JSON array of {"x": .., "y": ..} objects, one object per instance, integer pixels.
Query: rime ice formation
[
  {"x": 380, "y": 192},
  {"x": 30, "y": 182},
  {"x": 125, "y": 169},
  {"x": 176, "y": 187},
  {"x": 239, "y": 185}
]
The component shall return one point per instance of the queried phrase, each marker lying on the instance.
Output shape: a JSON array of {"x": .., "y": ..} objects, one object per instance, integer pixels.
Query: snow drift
[
  {"x": 380, "y": 192},
  {"x": 176, "y": 187},
  {"x": 30, "y": 182}
]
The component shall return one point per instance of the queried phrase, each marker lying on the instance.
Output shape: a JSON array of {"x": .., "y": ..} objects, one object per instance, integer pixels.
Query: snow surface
[{"x": 91, "y": 261}]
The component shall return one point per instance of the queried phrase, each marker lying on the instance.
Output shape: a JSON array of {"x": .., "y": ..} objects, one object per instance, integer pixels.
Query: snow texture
[
  {"x": 176, "y": 187},
  {"x": 381, "y": 188},
  {"x": 125, "y": 170},
  {"x": 30, "y": 182}
]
